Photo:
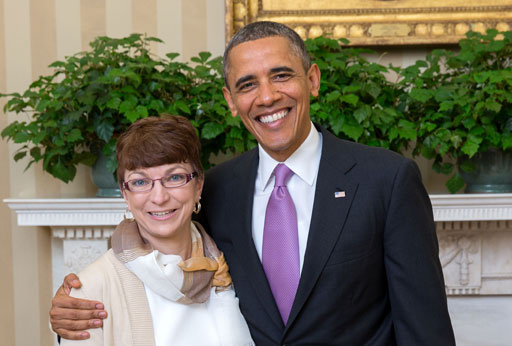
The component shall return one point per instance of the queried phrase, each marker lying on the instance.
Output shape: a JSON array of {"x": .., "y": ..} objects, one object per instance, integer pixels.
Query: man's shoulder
[{"x": 360, "y": 153}]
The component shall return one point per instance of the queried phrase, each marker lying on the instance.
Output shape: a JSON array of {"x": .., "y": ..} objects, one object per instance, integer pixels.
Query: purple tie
[{"x": 281, "y": 243}]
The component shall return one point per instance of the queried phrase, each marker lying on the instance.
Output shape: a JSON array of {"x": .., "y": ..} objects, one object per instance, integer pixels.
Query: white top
[
  {"x": 304, "y": 162},
  {"x": 217, "y": 322}
]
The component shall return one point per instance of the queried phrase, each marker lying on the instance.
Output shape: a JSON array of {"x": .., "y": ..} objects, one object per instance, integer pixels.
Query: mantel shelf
[
  {"x": 68, "y": 212},
  {"x": 472, "y": 207},
  {"x": 109, "y": 211}
]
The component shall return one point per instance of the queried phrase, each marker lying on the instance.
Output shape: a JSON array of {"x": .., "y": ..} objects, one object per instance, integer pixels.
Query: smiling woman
[
  {"x": 164, "y": 281},
  {"x": 151, "y": 154}
]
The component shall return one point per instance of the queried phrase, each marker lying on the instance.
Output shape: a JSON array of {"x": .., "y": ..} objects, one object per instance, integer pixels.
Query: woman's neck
[
  {"x": 178, "y": 244},
  {"x": 183, "y": 249}
]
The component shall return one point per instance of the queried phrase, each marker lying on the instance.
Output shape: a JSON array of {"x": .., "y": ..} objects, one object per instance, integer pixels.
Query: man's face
[{"x": 270, "y": 90}]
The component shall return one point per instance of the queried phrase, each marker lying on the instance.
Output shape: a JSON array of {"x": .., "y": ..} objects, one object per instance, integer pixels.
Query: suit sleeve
[{"x": 411, "y": 254}]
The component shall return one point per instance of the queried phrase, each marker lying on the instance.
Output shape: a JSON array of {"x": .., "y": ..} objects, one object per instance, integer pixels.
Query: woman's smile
[{"x": 162, "y": 215}]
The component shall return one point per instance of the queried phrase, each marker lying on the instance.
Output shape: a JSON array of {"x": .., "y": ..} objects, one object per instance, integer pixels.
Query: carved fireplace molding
[
  {"x": 474, "y": 232},
  {"x": 377, "y": 22}
]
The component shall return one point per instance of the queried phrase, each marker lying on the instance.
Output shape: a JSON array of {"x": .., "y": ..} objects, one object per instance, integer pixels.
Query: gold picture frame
[{"x": 375, "y": 22}]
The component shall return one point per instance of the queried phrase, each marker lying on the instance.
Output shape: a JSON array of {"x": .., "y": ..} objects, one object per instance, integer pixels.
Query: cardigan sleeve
[{"x": 100, "y": 282}]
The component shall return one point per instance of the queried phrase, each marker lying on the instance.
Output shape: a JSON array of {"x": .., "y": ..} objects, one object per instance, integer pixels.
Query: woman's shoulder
[
  {"x": 95, "y": 276},
  {"x": 104, "y": 264}
]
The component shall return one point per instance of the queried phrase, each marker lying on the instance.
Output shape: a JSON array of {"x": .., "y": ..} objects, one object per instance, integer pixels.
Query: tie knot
[{"x": 282, "y": 174}]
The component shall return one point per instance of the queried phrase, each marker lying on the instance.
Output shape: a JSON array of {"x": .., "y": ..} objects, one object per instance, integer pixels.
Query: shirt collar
[{"x": 303, "y": 162}]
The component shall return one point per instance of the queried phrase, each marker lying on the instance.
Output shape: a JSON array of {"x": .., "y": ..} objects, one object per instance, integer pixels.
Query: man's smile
[{"x": 266, "y": 119}]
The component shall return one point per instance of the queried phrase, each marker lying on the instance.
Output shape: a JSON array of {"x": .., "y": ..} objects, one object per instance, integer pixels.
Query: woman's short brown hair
[{"x": 156, "y": 141}]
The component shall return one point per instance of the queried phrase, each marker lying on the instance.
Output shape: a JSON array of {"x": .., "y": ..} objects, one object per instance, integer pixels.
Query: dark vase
[
  {"x": 492, "y": 174},
  {"x": 104, "y": 180}
]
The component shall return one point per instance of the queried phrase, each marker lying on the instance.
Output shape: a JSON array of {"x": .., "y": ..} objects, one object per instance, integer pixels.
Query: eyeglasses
[{"x": 169, "y": 181}]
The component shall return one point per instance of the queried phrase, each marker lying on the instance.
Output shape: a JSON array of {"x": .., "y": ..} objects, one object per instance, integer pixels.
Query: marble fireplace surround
[
  {"x": 475, "y": 249},
  {"x": 474, "y": 232}
]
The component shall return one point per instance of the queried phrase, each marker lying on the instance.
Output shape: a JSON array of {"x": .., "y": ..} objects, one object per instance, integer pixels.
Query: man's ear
[
  {"x": 314, "y": 79},
  {"x": 229, "y": 100}
]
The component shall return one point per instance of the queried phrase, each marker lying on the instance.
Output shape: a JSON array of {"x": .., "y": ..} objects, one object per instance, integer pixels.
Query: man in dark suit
[{"x": 366, "y": 247}]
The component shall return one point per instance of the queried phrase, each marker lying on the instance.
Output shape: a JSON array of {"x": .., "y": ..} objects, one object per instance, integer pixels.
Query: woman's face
[{"x": 163, "y": 214}]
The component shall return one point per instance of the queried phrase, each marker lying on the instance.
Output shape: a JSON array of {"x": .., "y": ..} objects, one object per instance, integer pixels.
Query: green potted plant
[
  {"x": 356, "y": 101},
  {"x": 462, "y": 105},
  {"x": 77, "y": 112}
]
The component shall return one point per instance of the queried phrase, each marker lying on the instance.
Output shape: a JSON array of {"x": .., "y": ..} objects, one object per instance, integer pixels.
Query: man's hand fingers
[
  {"x": 71, "y": 281},
  {"x": 75, "y": 329},
  {"x": 70, "y": 316},
  {"x": 75, "y": 325},
  {"x": 70, "y": 303},
  {"x": 70, "y": 335},
  {"x": 76, "y": 315}
]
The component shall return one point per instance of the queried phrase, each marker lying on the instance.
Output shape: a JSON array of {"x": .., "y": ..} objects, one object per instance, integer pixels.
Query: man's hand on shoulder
[{"x": 70, "y": 317}]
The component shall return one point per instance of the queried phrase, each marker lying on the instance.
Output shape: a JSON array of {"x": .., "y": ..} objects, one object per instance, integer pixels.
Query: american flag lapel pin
[{"x": 339, "y": 194}]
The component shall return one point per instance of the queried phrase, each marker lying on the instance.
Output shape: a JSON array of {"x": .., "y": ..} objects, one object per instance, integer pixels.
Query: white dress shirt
[{"x": 304, "y": 163}]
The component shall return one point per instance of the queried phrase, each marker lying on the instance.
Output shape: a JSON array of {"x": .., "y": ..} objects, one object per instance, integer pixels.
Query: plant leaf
[
  {"x": 182, "y": 106},
  {"x": 74, "y": 135},
  {"x": 470, "y": 147},
  {"x": 362, "y": 113},
  {"x": 21, "y": 137},
  {"x": 455, "y": 183},
  {"x": 350, "y": 99},
  {"x": 19, "y": 155},
  {"x": 407, "y": 129},
  {"x": 63, "y": 172},
  {"x": 334, "y": 95},
  {"x": 105, "y": 130},
  {"x": 211, "y": 130},
  {"x": 352, "y": 131},
  {"x": 421, "y": 95},
  {"x": 114, "y": 103},
  {"x": 506, "y": 141}
]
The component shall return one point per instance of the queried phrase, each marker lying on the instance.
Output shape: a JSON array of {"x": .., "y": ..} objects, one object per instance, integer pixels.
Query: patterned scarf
[{"x": 185, "y": 282}]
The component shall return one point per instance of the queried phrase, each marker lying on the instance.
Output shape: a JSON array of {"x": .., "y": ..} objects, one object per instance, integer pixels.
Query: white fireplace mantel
[
  {"x": 474, "y": 231},
  {"x": 68, "y": 212},
  {"x": 109, "y": 211},
  {"x": 80, "y": 228},
  {"x": 472, "y": 207},
  {"x": 475, "y": 250}
]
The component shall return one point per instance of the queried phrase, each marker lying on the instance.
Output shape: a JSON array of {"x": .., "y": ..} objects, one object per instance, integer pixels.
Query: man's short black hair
[{"x": 259, "y": 30}]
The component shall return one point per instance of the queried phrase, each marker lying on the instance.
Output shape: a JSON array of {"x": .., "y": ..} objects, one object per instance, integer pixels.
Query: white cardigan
[{"x": 122, "y": 293}]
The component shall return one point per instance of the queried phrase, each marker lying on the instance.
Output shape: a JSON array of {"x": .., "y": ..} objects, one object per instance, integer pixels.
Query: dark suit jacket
[{"x": 371, "y": 273}]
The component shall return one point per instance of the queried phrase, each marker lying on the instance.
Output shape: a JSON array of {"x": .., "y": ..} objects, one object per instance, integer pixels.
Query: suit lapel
[
  {"x": 328, "y": 216},
  {"x": 242, "y": 189}
]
